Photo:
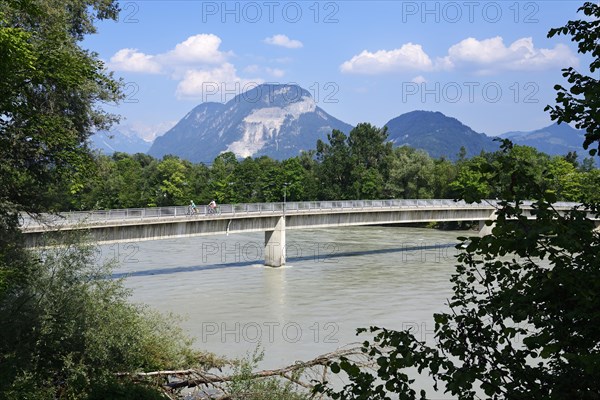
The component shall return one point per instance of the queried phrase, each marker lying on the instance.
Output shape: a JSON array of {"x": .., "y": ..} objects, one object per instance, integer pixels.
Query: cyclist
[
  {"x": 212, "y": 207},
  {"x": 192, "y": 207}
]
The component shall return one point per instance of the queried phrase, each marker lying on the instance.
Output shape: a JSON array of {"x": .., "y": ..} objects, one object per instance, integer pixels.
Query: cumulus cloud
[
  {"x": 198, "y": 63},
  {"x": 201, "y": 83},
  {"x": 131, "y": 60},
  {"x": 202, "y": 48},
  {"x": 409, "y": 57},
  {"x": 483, "y": 56},
  {"x": 493, "y": 55},
  {"x": 284, "y": 41},
  {"x": 419, "y": 79}
]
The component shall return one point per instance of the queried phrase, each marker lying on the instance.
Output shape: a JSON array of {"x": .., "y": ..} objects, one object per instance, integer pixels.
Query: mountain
[
  {"x": 554, "y": 139},
  {"x": 274, "y": 120},
  {"x": 439, "y": 135},
  {"x": 118, "y": 141}
]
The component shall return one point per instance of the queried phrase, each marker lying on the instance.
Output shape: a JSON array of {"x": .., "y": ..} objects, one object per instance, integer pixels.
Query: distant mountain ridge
[
  {"x": 274, "y": 120},
  {"x": 554, "y": 139},
  {"x": 279, "y": 121},
  {"x": 439, "y": 135}
]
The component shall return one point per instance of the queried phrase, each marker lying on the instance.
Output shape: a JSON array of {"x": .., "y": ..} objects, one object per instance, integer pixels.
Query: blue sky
[{"x": 487, "y": 63}]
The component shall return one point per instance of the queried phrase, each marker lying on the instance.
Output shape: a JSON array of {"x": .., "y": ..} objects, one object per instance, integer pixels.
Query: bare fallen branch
[{"x": 188, "y": 378}]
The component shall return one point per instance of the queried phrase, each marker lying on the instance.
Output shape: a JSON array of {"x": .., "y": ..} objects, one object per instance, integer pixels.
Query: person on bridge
[
  {"x": 212, "y": 206},
  {"x": 193, "y": 208}
]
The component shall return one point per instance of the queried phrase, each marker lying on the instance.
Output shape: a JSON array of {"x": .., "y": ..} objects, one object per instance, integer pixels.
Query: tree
[
  {"x": 517, "y": 167},
  {"x": 444, "y": 172},
  {"x": 334, "y": 165},
  {"x": 174, "y": 187},
  {"x": 369, "y": 156},
  {"x": 222, "y": 177},
  {"x": 66, "y": 326},
  {"x": 524, "y": 312},
  {"x": 49, "y": 95},
  {"x": 411, "y": 173},
  {"x": 49, "y": 106},
  {"x": 580, "y": 104},
  {"x": 354, "y": 166},
  {"x": 564, "y": 179},
  {"x": 69, "y": 328}
]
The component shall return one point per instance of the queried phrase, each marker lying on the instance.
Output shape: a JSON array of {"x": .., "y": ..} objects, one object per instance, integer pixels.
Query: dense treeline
[{"x": 362, "y": 165}]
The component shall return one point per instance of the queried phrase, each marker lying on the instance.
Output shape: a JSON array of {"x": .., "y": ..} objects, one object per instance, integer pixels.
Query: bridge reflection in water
[{"x": 136, "y": 224}]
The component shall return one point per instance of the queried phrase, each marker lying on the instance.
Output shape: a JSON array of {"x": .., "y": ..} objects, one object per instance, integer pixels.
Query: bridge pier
[
  {"x": 275, "y": 245},
  {"x": 484, "y": 229}
]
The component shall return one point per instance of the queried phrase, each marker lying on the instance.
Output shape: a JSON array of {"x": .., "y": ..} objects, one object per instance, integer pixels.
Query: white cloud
[
  {"x": 482, "y": 56},
  {"x": 132, "y": 60},
  {"x": 409, "y": 57},
  {"x": 493, "y": 55},
  {"x": 284, "y": 41},
  {"x": 419, "y": 79},
  {"x": 202, "y": 48},
  {"x": 197, "y": 63},
  {"x": 202, "y": 83},
  {"x": 276, "y": 72}
]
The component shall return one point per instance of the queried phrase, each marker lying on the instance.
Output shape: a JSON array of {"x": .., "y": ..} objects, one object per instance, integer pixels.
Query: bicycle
[
  {"x": 213, "y": 210},
  {"x": 191, "y": 210}
]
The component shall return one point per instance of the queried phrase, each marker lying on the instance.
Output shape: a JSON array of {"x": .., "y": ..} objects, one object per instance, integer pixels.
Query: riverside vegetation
[
  {"x": 70, "y": 333},
  {"x": 358, "y": 166}
]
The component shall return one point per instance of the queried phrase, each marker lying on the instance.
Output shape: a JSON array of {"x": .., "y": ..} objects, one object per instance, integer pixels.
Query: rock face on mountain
[
  {"x": 554, "y": 139},
  {"x": 274, "y": 120},
  {"x": 439, "y": 135}
]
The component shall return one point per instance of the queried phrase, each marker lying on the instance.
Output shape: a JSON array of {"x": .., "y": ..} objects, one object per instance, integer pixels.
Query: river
[{"x": 335, "y": 281}]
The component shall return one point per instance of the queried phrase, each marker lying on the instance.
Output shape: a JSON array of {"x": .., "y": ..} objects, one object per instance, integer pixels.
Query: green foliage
[
  {"x": 354, "y": 166},
  {"x": 411, "y": 174},
  {"x": 519, "y": 167},
  {"x": 69, "y": 327},
  {"x": 221, "y": 180},
  {"x": 523, "y": 316},
  {"x": 48, "y": 95},
  {"x": 245, "y": 386},
  {"x": 580, "y": 104},
  {"x": 123, "y": 390},
  {"x": 564, "y": 179},
  {"x": 48, "y": 108},
  {"x": 130, "y": 181},
  {"x": 334, "y": 166},
  {"x": 174, "y": 186},
  {"x": 524, "y": 312}
]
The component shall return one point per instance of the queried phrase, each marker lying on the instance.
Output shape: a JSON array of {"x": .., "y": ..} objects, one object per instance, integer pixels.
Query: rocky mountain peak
[{"x": 270, "y": 119}]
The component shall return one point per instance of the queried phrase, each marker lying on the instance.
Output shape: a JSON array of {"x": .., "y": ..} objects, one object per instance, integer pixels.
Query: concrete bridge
[{"x": 128, "y": 225}]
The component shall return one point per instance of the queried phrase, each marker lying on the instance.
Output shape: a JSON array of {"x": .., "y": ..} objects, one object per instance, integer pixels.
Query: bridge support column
[
  {"x": 275, "y": 245},
  {"x": 485, "y": 229}
]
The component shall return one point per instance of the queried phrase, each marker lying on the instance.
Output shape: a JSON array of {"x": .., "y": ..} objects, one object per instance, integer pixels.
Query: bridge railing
[{"x": 131, "y": 214}]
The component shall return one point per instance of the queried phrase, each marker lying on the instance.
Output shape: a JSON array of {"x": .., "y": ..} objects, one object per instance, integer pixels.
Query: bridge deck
[
  {"x": 129, "y": 225},
  {"x": 158, "y": 215}
]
